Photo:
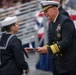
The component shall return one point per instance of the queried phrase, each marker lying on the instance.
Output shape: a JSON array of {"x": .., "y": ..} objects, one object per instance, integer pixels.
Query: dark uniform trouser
[
  {"x": 69, "y": 73},
  {"x": 55, "y": 72},
  {"x": 54, "y": 69}
]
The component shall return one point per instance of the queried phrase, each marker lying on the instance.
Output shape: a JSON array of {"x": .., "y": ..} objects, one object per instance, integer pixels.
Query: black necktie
[
  {"x": 50, "y": 32},
  {"x": 0, "y": 56}
]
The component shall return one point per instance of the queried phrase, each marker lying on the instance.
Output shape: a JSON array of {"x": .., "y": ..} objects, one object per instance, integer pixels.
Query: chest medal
[
  {"x": 58, "y": 28},
  {"x": 58, "y": 35}
]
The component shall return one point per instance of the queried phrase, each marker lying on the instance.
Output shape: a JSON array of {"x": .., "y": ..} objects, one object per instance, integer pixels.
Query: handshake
[{"x": 42, "y": 50}]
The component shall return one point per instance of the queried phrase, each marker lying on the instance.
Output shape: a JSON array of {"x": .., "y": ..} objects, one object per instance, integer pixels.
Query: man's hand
[{"x": 42, "y": 50}]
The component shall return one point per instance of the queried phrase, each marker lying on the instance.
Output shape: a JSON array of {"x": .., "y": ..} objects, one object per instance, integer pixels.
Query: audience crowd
[
  {"x": 67, "y": 4},
  {"x": 10, "y": 3}
]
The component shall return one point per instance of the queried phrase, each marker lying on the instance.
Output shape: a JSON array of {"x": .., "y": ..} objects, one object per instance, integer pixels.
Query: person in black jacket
[
  {"x": 12, "y": 58},
  {"x": 61, "y": 39},
  {"x": 61, "y": 10},
  {"x": 64, "y": 12}
]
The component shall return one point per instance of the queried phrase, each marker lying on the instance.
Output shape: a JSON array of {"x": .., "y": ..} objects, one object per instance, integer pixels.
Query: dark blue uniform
[
  {"x": 64, "y": 12},
  {"x": 62, "y": 44},
  {"x": 12, "y": 59}
]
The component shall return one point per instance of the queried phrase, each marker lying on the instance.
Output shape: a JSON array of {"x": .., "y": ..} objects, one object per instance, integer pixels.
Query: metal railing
[{"x": 26, "y": 21}]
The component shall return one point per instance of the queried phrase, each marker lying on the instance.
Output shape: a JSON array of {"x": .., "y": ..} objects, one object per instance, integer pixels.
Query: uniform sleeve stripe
[
  {"x": 46, "y": 45},
  {"x": 54, "y": 48}
]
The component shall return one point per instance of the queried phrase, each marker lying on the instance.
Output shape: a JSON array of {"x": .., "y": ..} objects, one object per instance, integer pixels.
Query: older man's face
[{"x": 49, "y": 13}]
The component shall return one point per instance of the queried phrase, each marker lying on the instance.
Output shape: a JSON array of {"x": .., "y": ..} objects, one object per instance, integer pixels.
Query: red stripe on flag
[
  {"x": 73, "y": 17},
  {"x": 40, "y": 15}
]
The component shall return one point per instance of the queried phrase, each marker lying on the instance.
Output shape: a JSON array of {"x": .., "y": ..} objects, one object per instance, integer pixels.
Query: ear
[{"x": 12, "y": 27}]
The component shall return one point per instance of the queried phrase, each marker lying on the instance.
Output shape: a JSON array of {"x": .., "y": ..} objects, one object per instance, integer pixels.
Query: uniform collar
[{"x": 56, "y": 18}]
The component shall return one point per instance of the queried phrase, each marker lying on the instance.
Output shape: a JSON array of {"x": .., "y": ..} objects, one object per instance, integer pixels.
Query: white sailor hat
[
  {"x": 8, "y": 20},
  {"x": 47, "y": 4}
]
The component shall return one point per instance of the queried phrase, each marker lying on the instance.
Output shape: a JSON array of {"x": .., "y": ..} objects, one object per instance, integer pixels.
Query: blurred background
[{"x": 33, "y": 28}]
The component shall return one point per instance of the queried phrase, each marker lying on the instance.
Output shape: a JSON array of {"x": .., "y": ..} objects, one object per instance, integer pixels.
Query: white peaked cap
[
  {"x": 8, "y": 20},
  {"x": 45, "y": 3}
]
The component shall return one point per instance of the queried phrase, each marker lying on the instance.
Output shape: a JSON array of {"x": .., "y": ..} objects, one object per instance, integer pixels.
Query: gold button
[
  {"x": 56, "y": 54},
  {"x": 60, "y": 54},
  {"x": 57, "y": 41},
  {"x": 53, "y": 42},
  {"x": 59, "y": 46}
]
